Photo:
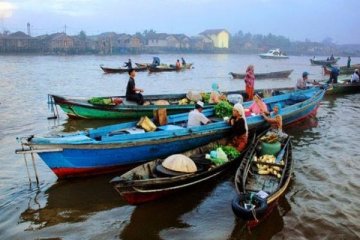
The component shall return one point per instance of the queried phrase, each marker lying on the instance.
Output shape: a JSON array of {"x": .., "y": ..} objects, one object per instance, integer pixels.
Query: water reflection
[
  {"x": 70, "y": 201},
  {"x": 148, "y": 220}
]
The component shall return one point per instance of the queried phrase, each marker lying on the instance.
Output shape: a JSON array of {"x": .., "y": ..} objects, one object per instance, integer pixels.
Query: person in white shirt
[
  {"x": 355, "y": 76},
  {"x": 302, "y": 82},
  {"x": 196, "y": 117}
]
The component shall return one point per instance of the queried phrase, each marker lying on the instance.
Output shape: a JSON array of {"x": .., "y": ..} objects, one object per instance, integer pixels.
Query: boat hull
[
  {"x": 280, "y": 74},
  {"x": 122, "y": 70},
  {"x": 324, "y": 62},
  {"x": 264, "y": 56},
  {"x": 85, "y": 160}
]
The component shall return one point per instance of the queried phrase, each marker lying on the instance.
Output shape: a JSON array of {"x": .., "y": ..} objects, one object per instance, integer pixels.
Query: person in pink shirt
[
  {"x": 258, "y": 106},
  {"x": 249, "y": 82}
]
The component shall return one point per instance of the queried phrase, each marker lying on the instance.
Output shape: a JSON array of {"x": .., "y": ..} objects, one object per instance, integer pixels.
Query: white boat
[{"x": 274, "y": 54}]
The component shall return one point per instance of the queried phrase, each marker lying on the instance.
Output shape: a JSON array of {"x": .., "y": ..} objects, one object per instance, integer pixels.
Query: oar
[{"x": 282, "y": 152}]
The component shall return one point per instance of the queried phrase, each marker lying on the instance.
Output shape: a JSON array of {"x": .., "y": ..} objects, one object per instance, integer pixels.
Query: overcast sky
[{"x": 295, "y": 19}]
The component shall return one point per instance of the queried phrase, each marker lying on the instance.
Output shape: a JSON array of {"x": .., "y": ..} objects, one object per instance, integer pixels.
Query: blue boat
[{"x": 122, "y": 146}]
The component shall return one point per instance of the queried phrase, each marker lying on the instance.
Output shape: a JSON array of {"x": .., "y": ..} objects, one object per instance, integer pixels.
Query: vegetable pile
[
  {"x": 223, "y": 109},
  {"x": 101, "y": 101},
  {"x": 230, "y": 151}
]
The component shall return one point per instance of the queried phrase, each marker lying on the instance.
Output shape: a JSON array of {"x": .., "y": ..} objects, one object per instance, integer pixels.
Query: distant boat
[
  {"x": 279, "y": 74},
  {"x": 274, "y": 54},
  {"x": 121, "y": 69},
  {"x": 169, "y": 68},
  {"x": 323, "y": 61}
]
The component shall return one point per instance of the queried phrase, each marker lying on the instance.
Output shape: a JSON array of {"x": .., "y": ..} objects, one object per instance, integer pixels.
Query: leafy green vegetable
[
  {"x": 223, "y": 109},
  {"x": 100, "y": 100},
  {"x": 230, "y": 151}
]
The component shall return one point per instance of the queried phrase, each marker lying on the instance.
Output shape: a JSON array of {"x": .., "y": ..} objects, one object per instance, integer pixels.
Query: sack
[
  {"x": 194, "y": 96},
  {"x": 160, "y": 116},
  {"x": 146, "y": 124}
]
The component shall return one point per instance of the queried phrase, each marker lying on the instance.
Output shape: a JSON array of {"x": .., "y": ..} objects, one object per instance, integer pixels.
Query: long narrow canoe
[
  {"x": 254, "y": 177},
  {"x": 279, "y": 74},
  {"x": 147, "y": 183},
  {"x": 324, "y": 61},
  {"x": 121, "y": 146},
  {"x": 82, "y": 108},
  {"x": 140, "y": 65},
  {"x": 169, "y": 68},
  {"x": 121, "y": 70}
]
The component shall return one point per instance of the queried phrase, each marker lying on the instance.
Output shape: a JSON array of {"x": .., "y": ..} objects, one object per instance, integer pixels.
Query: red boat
[{"x": 149, "y": 181}]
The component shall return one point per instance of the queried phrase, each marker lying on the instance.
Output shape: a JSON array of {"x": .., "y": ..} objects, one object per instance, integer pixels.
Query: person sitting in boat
[
  {"x": 355, "y": 77},
  {"x": 333, "y": 75},
  {"x": 275, "y": 122},
  {"x": 178, "y": 64},
  {"x": 196, "y": 117},
  {"x": 128, "y": 64},
  {"x": 132, "y": 92},
  {"x": 258, "y": 106},
  {"x": 302, "y": 82},
  {"x": 216, "y": 96},
  {"x": 239, "y": 127},
  {"x": 183, "y": 61}
]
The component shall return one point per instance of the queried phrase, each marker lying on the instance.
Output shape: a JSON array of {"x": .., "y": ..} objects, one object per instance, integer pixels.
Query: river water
[{"x": 322, "y": 202}]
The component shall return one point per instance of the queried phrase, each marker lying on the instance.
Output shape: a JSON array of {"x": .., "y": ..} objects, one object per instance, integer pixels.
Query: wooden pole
[
  {"x": 27, "y": 169},
  {"x": 36, "y": 175}
]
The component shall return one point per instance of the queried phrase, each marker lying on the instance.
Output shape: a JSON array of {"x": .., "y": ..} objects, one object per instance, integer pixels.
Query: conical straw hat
[{"x": 179, "y": 163}]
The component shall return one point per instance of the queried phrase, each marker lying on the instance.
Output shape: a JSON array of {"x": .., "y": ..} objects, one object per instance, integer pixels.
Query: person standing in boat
[
  {"x": 128, "y": 64},
  {"x": 333, "y": 75},
  {"x": 249, "y": 82},
  {"x": 239, "y": 127},
  {"x": 348, "y": 62},
  {"x": 332, "y": 57},
  {"x": 196, "y": 117},
  {"x": 132, "y": 92},
  {"x": 275, "y": 122}
]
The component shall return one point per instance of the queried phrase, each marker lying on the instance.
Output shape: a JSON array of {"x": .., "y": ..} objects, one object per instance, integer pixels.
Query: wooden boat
[
  {"x": 121, "y": 70},
  {"x": 147, "y": 182},
  {"x": 259, "y": 191},
  {"x": 274, "y": 54},
  {"x": 121, "y": 146},
  {"x": 323, "y": 61},
  {"x": 343, "y": 88},
  {"x": 343, "y": 69},
  {"x": 279, "y": 74},
  {"x": 187, "y": 66},
  {"x": 77, "y": 107},
  {"x": 169, "y": 68}
]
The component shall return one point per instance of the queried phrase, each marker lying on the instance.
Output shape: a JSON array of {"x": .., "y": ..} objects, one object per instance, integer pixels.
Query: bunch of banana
[
  {"x": 264, "y": 169},
  {"x": 270, "y": 138},
  {"x": 183, "y": 101}
]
